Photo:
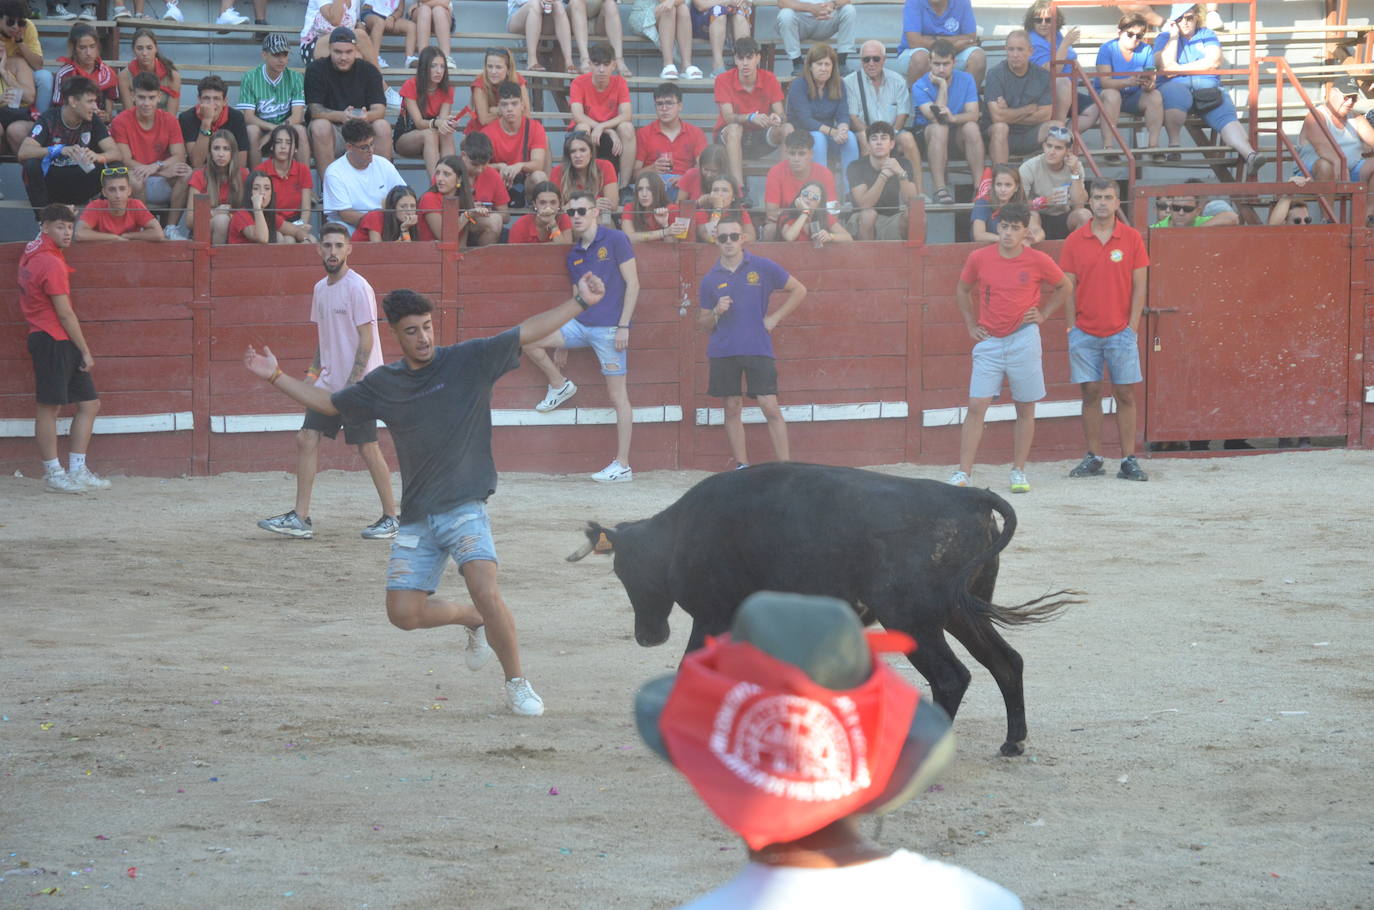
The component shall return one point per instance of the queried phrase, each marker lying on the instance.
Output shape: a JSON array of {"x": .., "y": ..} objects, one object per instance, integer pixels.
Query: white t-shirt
[
  {"x": 346, "y": 187},
  {"x": 338, "y": 309},
  {"x": 903, "y": 878}
]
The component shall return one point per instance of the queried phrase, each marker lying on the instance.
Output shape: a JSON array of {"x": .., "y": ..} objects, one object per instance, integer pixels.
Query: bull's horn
[{"x": 580, "y": 552}]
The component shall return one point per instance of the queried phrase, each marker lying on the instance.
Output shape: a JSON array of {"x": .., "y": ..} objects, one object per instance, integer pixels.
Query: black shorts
[
  {"x": 753, "y": 144},
  {"x": 1056, "y": 226},
  {"x": 1025, "y": 142},
  {"x": 761, "y": 374},
  {"x": 328, "y": 425},
  {"x": 10, "y": 115},
  {"x": 58, "y": 377}
]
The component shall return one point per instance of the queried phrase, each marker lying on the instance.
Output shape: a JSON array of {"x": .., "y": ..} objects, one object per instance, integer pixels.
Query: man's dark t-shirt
[
  {"x": 361, "y": 86},
  {"x": 861, "y": 172},
  {"x": 1018, "y": 91},
  {"x": 50, "y": 129},
  {"x": 440, "y": 420},
  {"x": 189, "y": 120}
]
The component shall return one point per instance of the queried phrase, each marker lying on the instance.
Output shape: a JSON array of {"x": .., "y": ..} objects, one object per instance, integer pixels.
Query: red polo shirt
[
  {"x": 651, "y": 141},
  {"x": 43, "y": 275},
  {"x": 599, "y": 106},
  {"x": 1102, "y": 276},
  {"x": 767, "y": 92},
  {"x": 136, "y": 217},
  {"x": 147, "y": 146},
  {"x": 781, "y": 187}
]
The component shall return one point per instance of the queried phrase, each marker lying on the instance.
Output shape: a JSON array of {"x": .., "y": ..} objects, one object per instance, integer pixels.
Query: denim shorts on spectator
[{"x": 1015, "y": 357}]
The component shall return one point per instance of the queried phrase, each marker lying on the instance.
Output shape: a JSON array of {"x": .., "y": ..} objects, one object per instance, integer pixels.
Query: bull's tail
[{"x": 1040, "y": 609}]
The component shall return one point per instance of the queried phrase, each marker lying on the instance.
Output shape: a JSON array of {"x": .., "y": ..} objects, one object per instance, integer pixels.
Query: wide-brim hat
[{"x": 794, "y": 721}]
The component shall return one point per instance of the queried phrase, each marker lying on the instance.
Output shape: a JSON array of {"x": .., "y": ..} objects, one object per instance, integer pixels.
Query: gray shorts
[
  {"x": 1015, "y": 357},
  {"x": 421, "y": 549},
  {"x": 157, "y": 192},
  {"x": 1120, "y": 354}
]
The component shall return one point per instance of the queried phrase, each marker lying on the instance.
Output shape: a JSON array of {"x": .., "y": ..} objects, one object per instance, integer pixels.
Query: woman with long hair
[
  {"x": 291, "y": 180},
  {"x": 498, "y": 66},
  {"x": 650, "y": 216},
  {"x": 83, "y": 59},
  {"x": 450, "y": 181},
  {"x": 424, "y": 128},
  {"x": 220, "y": 179},
  {"x": 582, "y": 170},
  {"x": 258, "y": 220},
  {"x": 696, "y": 182},
  {"x": 818, "y": 104},
  {"x": 1049, "y": 41},
  {"x": 723, "y": 198},
  {"x": 148, "y": 58},
  {"x": 809, "y": 219},
  {"x": 397, "y": 220},
  {"x": 1006, "y": 189}
]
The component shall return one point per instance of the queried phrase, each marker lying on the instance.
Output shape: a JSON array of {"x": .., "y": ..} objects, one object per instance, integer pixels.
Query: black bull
[{"x": 917, "y": 556}]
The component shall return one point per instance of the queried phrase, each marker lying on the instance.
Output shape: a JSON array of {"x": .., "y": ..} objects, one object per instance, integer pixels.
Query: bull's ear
[{"x": 599, "y": 540}]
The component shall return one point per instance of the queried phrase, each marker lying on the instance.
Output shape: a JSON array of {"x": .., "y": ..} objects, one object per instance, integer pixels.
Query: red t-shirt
[
  {"x": 703, "y": 216},
  {"x": 602, "y": 165},
  {"x": 627, "y": 215},
  {"x": 781, "y": 188},
  {"x": 289, "y": 189},
  {"x": 524, "y": 230},
  {"x": 827, "y": 221},
  {"x": 135, "y": 218},
  {"x": 436, "y": 100},
  {"x": 767, "y": 92},
  {"x": 375, "y": 220},
  {"x": 1102, "y": 276},
  {"x": 243, "y": 218},
  {"x": 201, "y": 185},
  {"x": 599, "y": 106},
  {"x": 689, "y": 184},
  {"x": 372, "y": 221},
  {"x": 650, "y": 142},
  {"x": 1007, "y": 288},
  {"x": 489, "y": 189},
  {"x": 508, "y": 149},
  {"x": 147, "y": 146},
  {"x": 43, "y": 275}
]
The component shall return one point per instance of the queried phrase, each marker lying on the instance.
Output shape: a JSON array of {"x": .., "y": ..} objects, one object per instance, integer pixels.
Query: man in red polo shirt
[
  {"x": 117, "y": 215},
  {"x": 668, "y": 146},
  {"x": 787, "y": 177},
  {"x": 752, "y": 120},
  {"x": 150, "y": 143},
  {"x": 519, "y": 145},
  {"x": 1105, "y": 260},
  {"x": 62, "y": 360},
  {"x": 600, "y": 102}
]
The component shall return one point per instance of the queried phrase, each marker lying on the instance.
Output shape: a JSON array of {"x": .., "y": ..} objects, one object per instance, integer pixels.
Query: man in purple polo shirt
[
  {"x": 604, "y": 327},
  {"x": 734, "y": 309}
]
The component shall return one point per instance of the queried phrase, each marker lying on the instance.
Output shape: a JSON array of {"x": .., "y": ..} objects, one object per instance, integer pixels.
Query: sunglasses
[
  {"x": 732, "y": 237},
  {"x": 114, "y": 171},
  {"x": 15, "y": 23},
  {"x": 1043, "y": 20},
  {"x": 1299, "y": 220},
  {"x": 577, "y": 212},
  {"x": 1135, "y": 35},
  {"x": 872, "y": 59},
  {"x": 1183, "y": 209}
]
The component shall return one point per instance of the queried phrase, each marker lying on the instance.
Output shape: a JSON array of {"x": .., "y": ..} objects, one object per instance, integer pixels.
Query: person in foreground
[
  {"x": 789, "y": 728},
  {"x": 437, "y": 403}
]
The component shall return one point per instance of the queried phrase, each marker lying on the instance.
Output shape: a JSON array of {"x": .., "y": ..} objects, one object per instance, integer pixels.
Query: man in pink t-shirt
[{"x": 344, "y": 310}]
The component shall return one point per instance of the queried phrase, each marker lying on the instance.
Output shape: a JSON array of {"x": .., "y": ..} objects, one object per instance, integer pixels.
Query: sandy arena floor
[{"x": 198, "y": 715}]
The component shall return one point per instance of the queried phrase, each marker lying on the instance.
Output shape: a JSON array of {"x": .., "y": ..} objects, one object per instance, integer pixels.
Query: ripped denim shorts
[{"x": 419, "y": 549}]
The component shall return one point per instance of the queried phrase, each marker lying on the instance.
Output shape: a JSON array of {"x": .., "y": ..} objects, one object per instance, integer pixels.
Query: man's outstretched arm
[
  {"x": 589, "y": 291},
  {"x": 264, "y": 366}
]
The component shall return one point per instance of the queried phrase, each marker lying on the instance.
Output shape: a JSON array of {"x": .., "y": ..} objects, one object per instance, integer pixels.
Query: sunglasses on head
[
  {"x": 872, "y": 58},
  {"x": 1059, "y": 132},
  {"x": 1184, "y": 209},
  {"x": 732, "y": 237},
  {"x": 114, "y": 171},
  {"x": 577, "y": 212}
]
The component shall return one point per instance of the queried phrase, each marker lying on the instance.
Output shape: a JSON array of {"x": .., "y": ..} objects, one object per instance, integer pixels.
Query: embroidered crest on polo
[
  {"x": 752, "y": 277},
  {"x": 1116, "y": 256},
  {"x": 791, "y": 747},
  {"x": 601, "y": 252}
]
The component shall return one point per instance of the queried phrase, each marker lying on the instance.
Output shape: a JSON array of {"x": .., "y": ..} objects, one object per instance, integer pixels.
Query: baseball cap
[
  {"x": 275, "y": 43},
  {"x": 1346, "y": 85},
  {"x": 343, "y": 33}
]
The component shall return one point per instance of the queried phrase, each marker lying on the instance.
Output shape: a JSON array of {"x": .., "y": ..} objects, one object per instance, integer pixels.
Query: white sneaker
[
  {"x": 1019, "y": 483},
  {"x": 119, "y": 12},
  {"x": 60, "y": 11},
  {"x": 232, "y": 16},
  {"x": 478, "y": 652},
  {"x": 958, "y": 479},
  {"x": 393, "y": 98},
  {"x": 615, "y": 472},
  {"x": 61, "y": 482},
  {"x": 173, "y": 12},
  {"x": 522, "y": 698},
  {"x": 89, "y": 479},
  {"x": 176, "y": 232},
  {"x": 87, "y": 13},
  {"x": 381, "y": 63},
  {"x": 412, "y": 60},
  {"x": 555, "y": 397}
]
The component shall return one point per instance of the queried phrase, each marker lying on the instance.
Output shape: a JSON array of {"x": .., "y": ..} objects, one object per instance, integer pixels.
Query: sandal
[
  {"x": 668, "y": 72},
  {"x": 943, "y": 196},
  {"x": 532, "y": 64},
  {"x": 622, "y": 68}
]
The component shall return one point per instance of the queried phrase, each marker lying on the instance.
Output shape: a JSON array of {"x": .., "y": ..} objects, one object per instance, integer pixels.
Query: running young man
[
  {"x": 605, "y": 328},
  {"x": 437, "y": 403},
  {"x": 1005, "y": 321},
  {"x": 344, "y": 310},
  {"x": 734, "y": 309},
  {"x": 62, "y": 360}
]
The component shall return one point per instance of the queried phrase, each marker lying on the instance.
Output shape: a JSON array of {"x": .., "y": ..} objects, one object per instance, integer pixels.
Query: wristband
[
  {"x": 577, "y": 299},
  {"x": 276, "y": 374}
]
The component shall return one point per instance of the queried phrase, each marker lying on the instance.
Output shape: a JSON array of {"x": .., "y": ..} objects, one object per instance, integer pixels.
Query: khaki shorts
[{"x": 888, "y": 227}]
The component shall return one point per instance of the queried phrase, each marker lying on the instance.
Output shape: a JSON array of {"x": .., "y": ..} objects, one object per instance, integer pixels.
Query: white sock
[
  {"x": 52, "y": 466},
  {"x": 77, "y": 461}
]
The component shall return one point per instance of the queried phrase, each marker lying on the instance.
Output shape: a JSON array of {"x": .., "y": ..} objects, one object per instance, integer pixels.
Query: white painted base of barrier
[
  {"x": 105, "y": 426},
  {"x": 953, "y": 417}
]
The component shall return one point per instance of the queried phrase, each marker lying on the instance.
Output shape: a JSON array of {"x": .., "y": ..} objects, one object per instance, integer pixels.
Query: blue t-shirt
[
  {"x": 1110, "y": 54},
  {"x": 1192, "y": 50},
  {"x": 918, "y": 17},
  {"x": 603, "y": 256},
  {"x": 1040, "y": 50},
  {"x": 740, "y": 331},
  {"x": 962, "y": 90}
]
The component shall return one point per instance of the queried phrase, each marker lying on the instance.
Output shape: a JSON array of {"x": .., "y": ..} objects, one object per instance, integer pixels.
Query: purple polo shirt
[
  {"x": 740, "y": 331},
  {"x": 603, "y": 257}
]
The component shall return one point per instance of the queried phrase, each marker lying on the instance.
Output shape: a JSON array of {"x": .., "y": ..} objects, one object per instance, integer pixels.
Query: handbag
[{"x": 1207, "y": 99}]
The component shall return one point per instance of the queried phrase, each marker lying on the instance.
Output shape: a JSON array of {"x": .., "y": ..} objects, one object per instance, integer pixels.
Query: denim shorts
[
  {"x": 420, "y": 548},
  {"x": 1016, "y": 357},
  {"x": 1087, "y": 354},
  {"x": 601, "y": 339}
]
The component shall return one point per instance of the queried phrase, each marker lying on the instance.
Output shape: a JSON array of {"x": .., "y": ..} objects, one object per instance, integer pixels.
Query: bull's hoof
[{"x": 1010, "y": 748}]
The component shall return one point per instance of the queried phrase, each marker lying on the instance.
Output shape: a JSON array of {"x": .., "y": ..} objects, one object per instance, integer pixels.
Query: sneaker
[
  {"x": 176, "y": 232},
  {"x": 87, "y": 13},
  {"x": 60, "y": 11},
  {"x": 62, "y": 482},
  {"x": 383, "y": 528},
  {"x": 741, "y": 465},
  {"x": 522, "y": 698},
  {"x": 289, "y": 524},
  {"x": 412, "y": 60},
  {"x": 1090, "y": 466},
  {"x": 393, "y": 98},
  {"x": 381, "y": 63},
  {"x": 1253, "y": 162},
  {"x": 1130, "y": 469},
  {"x": 173, "y": 12},
  {"x": 89, "y": 479},
  {"x": 232, "y": 16},
  {"x": 478, "y": 652},
  {"x": 615, "y": 472},
  {"x": 1019, "y": 483},
  {"x": 119, "y": 12},
  {"x": 452, "y": 64},
  {"x": 958, "y": 479},
  {"x": 555, "y": 397}
]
